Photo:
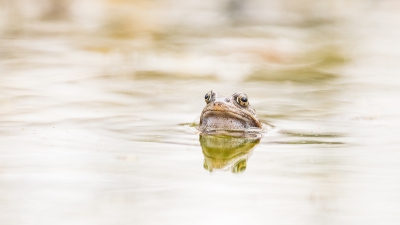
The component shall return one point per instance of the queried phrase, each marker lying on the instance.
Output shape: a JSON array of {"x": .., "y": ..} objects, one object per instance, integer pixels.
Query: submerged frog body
[
  {"x": 228, "y": 114},
  {"x": 224, "y": 153}
]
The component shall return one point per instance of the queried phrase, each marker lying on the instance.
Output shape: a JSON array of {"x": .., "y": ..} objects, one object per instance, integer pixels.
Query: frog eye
[
  {"x": 206, "y": 167},
  {"x": 207, "y": 97},
  {"x": 242, "y": 100},
  {"x": 240, "y": 166}
]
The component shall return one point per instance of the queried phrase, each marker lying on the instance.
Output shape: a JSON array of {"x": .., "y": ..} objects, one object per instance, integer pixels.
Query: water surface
[{"x": 95, "y": 122}]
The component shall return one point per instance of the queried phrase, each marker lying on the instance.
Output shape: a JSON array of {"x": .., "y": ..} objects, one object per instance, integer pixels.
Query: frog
[{"x": 233, "y": 113}]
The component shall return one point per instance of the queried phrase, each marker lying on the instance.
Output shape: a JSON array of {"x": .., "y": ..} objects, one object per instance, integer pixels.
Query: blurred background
[
  {"x": 225, "y": 40},
  {"x": 99, "y": 99}
]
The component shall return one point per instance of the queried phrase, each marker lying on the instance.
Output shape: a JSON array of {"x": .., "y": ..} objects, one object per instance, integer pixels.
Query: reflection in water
[{"x": 226, "y": 152}]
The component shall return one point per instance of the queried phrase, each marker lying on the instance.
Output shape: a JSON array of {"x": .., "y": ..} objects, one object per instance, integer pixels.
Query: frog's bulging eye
[
  {"x": 242, "y": 100},
  {"x": 240, "y": 166},
  {"x": 207, "y": 97}
]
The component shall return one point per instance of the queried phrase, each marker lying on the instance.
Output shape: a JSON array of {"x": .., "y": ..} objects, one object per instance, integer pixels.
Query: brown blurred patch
[
  {"x": 159, "y": 75},
  {"x": 129, "y": 19}
]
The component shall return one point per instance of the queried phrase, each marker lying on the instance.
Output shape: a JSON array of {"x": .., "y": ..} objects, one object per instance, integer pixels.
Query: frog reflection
[{"x": 227, "y": 153}]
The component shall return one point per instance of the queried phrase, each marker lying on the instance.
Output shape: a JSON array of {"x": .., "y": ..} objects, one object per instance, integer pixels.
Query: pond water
[{"x": 97, "y": 115}]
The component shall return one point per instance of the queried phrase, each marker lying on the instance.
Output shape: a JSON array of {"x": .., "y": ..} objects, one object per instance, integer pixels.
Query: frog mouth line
[
  {"x": 238, "y": 116},
  {"x": 228, "y": 162}
]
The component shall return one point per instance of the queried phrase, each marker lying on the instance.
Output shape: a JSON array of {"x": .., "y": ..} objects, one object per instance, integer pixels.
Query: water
[{"x": 96, "y": 115}]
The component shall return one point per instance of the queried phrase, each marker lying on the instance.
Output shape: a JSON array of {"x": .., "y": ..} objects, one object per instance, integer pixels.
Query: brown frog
[{"x": 231, "y": 114}]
